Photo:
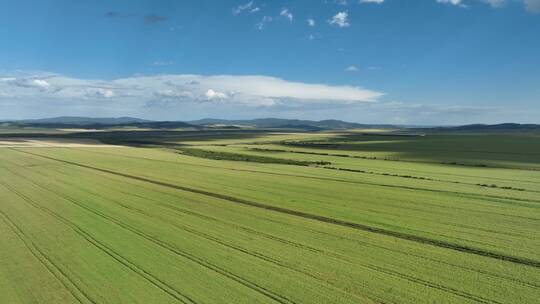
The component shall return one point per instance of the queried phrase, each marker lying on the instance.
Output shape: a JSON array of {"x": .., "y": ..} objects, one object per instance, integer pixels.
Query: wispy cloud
[
  {"x": 351, "y": 68},
  {"x": 372, "y": 1},
  {"x": 287, "y": 14},
  {"x": 311, "y": 22},
  {"x": 452, "y": 2},
  {"x": 340, "y": 19},
  {"x": 248, "y": 7}
]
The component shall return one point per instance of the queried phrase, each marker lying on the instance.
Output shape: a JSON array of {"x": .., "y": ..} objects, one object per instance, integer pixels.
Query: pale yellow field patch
[{"x": 48, "y": 143}]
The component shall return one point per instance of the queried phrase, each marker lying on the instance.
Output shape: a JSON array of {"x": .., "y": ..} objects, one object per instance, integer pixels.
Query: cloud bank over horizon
[
  {"x": 190, "y": 96},
  {"x": 250, "y": 90},
  {"x": 151, "y": 95}
]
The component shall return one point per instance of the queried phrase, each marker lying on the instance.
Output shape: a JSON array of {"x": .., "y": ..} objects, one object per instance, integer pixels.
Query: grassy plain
[{"x": 271, "y": 217}]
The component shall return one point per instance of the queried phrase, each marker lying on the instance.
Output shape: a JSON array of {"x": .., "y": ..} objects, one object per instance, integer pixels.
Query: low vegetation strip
[
  {"x": 245, "y": 157},
  {"x": 410, "y": 237},
  {"x": 337, "y": 147},
  {"x": 423, "y": 178},
  {"x": 321, "y": 163}
]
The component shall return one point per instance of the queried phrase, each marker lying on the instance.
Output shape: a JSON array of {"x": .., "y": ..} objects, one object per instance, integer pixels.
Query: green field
[{"x": 259, "y": 216}]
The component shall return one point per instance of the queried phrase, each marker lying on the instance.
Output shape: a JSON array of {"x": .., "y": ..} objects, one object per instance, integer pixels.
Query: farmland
[{"x": 269, "y": 216}]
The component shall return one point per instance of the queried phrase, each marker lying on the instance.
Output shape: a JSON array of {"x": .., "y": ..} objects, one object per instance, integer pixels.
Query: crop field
[{"x": 262, "y": 216}]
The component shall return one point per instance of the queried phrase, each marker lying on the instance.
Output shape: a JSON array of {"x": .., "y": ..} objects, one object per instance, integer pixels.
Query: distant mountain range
[
  {"x": 273, "y": 123},
  {"x": 330, "y": 124},
  {"x": 99, "y": 123},
  {"x": 77, "y": 120}
]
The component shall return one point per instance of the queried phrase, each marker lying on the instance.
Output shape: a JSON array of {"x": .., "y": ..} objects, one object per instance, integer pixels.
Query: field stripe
[
  {"x": 337, "y": 256},
  {"x": 370, "y": 266},
  {"x": 239, "y": 249},
  {"x": 410, "y": 237},
  {"x": 176, "y": 209},
  {"x": 149, "y": 277},
  {"x": 62, "y": 277},
  {"x": 461, "y": 194},
  {"x": 270, "y": 294}
]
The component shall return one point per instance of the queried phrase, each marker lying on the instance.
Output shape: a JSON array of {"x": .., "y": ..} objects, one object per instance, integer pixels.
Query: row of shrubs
[
  {"x": 265, "y": 159},
  {"x": 248, "y": 158},
  {"x": 420, "y": 178}
]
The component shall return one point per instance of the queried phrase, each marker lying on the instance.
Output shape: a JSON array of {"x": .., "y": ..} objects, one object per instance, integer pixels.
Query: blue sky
[{"x": 375, "y": 61}]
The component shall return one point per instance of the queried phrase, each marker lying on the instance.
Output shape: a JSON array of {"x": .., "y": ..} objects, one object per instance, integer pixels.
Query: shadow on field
[
  {"x": 502, "y": 150},
  {"x": 144, "y": 138}
]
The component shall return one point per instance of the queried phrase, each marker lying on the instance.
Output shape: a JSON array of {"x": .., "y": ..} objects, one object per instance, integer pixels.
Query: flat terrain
[
  {"x": 43, "y": 143},
  {"x": 260, "y": 216}
]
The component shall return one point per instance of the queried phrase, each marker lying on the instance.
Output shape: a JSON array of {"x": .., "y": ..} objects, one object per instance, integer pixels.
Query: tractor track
[
  {"x": 47, "y": 263},
  {"x": 108, "y": 251}
]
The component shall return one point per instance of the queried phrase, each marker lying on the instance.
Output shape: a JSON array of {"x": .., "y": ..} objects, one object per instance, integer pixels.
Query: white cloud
[
  {"x": 372, "y": 1},
  {"x": 41, "y": 84},
  {"x": 340, "y": 19},
  {"x": 252, "y": 91},
  {"x": 452, "y": 2},
  {"x": 351, "y": 68},
  {"x": 211, "y": 94},
  {"x": 28, "y": 82},
  {"x": 287, "y": 14},
  {"x": 106, "y": 93},
  {"x": 311, "y": 22},
  {"x": 247, "y": 7}
]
